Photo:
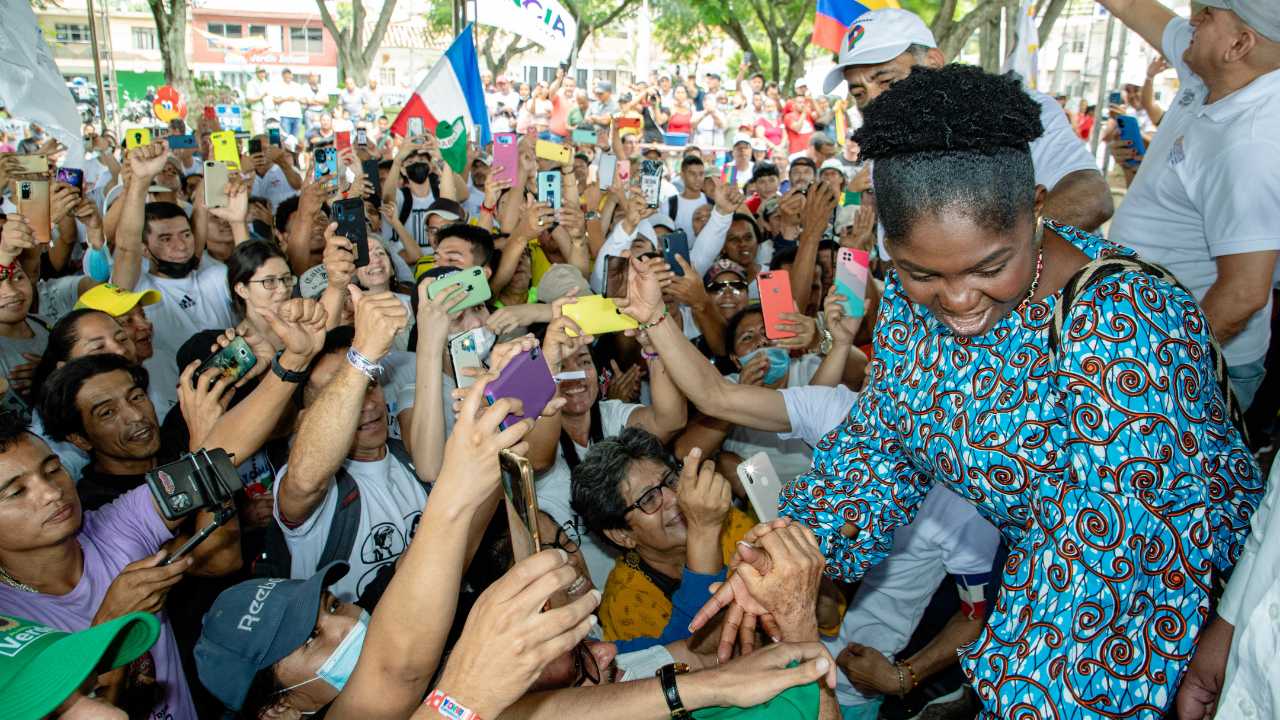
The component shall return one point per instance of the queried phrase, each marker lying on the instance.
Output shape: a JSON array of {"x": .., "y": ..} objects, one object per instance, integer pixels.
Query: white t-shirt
[
  {"x": 391, "y": 502},
  {"x": 684, "y": 213},
  {"x": 555, "y": 492},
  {"x": 288, "y": 108},
  {"x": 1059, "y": 151},
  {"x": 1209, "y": 186},
  {"x": 416, "y": 223},
  {"x": 398, "y": 387},
  {"x": 274, "y": 186},
  {"x": 790, "y": 456},
  {"x": 260, "y": 89},
  {"x": 11, "y": 349},
  {"x": 199, "y": 301}
]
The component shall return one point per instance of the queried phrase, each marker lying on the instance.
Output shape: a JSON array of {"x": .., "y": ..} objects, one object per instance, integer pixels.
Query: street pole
[
  {"x": 97, "y": 68},
  {"x": 1102, "y": 92}
]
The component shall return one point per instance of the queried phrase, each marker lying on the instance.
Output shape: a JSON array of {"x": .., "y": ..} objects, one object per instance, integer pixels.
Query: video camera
[{"x": 198, "y": 481}]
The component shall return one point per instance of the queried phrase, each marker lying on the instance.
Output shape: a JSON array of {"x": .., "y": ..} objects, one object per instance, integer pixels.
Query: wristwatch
[
  {"x": 667, "y": 674},
  {"x": 593, "y": 215},
  {"x": 826, "y": 342},
  {"x": 289, "y": 376}
]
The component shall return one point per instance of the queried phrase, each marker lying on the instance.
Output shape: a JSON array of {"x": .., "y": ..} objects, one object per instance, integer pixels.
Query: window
[
  {"x": 144, "y": 38},
  {"x": 581, "y": 77},
  {"x": 306, "y": 39},
  {"x": 387, "y": 76},
  {"x": 226, "y": 30},
  {"x": 258, "y": 31},
  {"x": 69, "y": 33}
]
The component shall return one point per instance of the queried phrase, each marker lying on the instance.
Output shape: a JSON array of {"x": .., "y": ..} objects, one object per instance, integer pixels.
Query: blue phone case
[
  {"x": 676, "y": 243},
  {"x": 1132, "y": 132}
]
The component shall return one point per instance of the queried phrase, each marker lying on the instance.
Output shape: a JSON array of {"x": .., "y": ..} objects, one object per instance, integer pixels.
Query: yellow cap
[{"x": 116, "y": 301}]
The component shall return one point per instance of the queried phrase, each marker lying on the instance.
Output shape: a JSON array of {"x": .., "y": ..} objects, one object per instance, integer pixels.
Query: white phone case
[
  {"x": 463, "y": 352},
  {"x": 761, "y": 483}
]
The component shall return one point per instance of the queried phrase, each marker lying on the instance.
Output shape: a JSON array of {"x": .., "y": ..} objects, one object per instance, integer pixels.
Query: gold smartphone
[
  {"x": 521, "y": 501},
  {"x": 33, "y": 164},
  {"x": 216, "y": 175},
  {"x": 33, "y": 203}
]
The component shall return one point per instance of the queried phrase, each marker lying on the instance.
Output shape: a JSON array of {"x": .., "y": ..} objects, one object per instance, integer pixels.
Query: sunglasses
[{"x": 735, "y": 286}]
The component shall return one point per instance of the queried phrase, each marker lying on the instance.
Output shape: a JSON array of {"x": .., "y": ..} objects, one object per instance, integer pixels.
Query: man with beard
[{"x": 194, "y": 288}]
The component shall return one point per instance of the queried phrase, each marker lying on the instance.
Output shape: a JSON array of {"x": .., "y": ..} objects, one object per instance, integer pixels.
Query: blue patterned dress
[{"x": 1113, "y": 473}]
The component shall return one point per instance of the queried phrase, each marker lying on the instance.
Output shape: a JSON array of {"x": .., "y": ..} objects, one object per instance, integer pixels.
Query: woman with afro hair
[{"x": 1100, "y": 442}]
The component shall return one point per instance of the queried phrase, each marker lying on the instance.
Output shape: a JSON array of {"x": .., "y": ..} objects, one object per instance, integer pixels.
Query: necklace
[
  {"x": 1035, "y": 281},
  {"x": 13, "y": 582}
]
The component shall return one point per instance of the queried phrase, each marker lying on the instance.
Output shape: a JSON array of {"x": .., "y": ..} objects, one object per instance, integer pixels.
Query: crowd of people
[{"x": 725, "y": 411}]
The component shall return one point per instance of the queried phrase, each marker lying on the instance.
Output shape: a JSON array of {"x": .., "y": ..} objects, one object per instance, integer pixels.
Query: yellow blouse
[{"x": 633, "y": 607}]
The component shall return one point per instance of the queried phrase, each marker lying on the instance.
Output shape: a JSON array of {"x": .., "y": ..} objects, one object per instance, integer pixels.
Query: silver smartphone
[{"x": 760, "y": 482}]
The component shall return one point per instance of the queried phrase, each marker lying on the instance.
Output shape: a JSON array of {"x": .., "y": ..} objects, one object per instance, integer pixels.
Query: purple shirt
[{"x": 111, "y": 537}]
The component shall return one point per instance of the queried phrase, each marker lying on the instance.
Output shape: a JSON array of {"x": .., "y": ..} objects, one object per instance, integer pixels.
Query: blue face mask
[
  {"x": 779, "y": 363},
  {"x": 337, "y": 668}
]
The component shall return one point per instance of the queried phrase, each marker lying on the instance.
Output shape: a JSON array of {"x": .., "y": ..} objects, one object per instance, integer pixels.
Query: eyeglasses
[
  {"x": 565, "y": 539},
  {"x": 650, "y": 501},
  {"x": 271, "y": 283},
  {"x": 585, "y": 668},
  {"x": 735, "y": 286}
]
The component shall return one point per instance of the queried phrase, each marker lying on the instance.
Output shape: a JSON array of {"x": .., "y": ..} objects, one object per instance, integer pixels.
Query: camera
[{"x": 197, "y": 481}]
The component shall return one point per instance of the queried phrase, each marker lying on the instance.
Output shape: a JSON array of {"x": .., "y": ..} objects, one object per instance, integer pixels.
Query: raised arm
[
  {"x": 1148, "y": 18},
  {"x": 818, "y": 207},
  {"x": 145, "y": 163},
  {"x": 710, "y": 242},
  {"x": 325, "y": 433},
  {"x": 428, "y": 404}
]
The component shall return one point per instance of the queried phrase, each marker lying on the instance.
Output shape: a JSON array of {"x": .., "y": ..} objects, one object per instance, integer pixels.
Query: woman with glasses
[
  {"x": 260, "y": 280},
  {"x": 673, "y": 524}
]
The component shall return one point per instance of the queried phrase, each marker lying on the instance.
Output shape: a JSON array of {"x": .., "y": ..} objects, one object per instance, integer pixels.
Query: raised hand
[
  {"x": 203, "y": 399},
  {"x": 644, "y": 290},
  {"x": 557, "y": 343},
  {"x": 379, "y": 316},
  {"x": 16, "y": 237},
  {"x": 804, "y": 327},
  {"x": 704, "y": 496},
  {"x": 63, "y": 200},
  {"x": 339, "y": 257},
  {"x": 843, "y": 328},
  {"x": 300, "y": 325},
  {"x": 236, "y": 208},
  {"x": 140, "y": 587},
  {"x": 624, "y": 386},
  {"x": 146, "y": 161},
  {"x": 728, "y": 197}
]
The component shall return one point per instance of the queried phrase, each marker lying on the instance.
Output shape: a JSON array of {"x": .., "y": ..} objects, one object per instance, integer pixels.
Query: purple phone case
[{"x": 526, "y": 378}]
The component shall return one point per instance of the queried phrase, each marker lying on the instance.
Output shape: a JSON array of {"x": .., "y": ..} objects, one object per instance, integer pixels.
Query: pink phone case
[
  {"x": 506, "y": 154},
  {"x": 526, "y": 378},
  {"x": 776, "y": 299}
]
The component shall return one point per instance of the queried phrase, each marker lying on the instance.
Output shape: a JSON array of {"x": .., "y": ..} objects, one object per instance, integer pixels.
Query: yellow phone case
[
  {"x": 598, "y": 315},
  {"x": 225, "y": 149},
  {"x": 547, "y": 150},
  {"x": 137, "y": 137}
]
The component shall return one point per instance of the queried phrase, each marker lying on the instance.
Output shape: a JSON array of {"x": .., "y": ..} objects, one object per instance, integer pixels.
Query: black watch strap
[
  {"x": 667, "y": 674},
  {"x": 284, "y": 374}
]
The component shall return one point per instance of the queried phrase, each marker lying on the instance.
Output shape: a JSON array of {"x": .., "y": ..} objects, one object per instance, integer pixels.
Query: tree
[
  {"x": 593, "y": 15},
  {"x": 171, "y": 34},
  {"x": 777, "y": 34},
  {"x": 355, "y": 51}
]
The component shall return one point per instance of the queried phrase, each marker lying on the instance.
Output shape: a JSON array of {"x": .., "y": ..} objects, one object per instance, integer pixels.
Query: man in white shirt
[
  {"x": 316, "y": 98},
  {"x": 194, "y": 287},
  {"x": 287, "y": 96},
  {"x": 503, "y": 96},
  {"x": 1203, "y": 203},
  {"x": 342, "y": 439},
  {"x": 274, "y": 176},
  {"x": 883, "y": 46},
  {"x": 258, "y": 95}
]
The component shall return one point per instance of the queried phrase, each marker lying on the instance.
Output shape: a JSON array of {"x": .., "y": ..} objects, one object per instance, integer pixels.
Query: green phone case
[{"x": 471, "y": 279}]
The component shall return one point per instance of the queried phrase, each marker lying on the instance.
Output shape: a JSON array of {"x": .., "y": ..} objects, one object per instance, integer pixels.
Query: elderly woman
[{"x": 1100, "y": 444}]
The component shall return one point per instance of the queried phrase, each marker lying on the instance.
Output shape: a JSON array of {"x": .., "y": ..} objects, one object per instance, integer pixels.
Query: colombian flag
[{"x": 835, "y": 16}]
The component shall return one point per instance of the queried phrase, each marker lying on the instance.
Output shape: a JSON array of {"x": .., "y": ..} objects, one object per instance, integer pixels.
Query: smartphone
[
  {"x": 71, "y": 176},
  {"x": 598, "y": 315},
  {"x": 255, "y": 146},
  {"x": 852, "y": 270},
  {"x": 608, "y": 170},
  {"x": 370, "y": 168},
  {"x": 137, "y": 137},
  {"x": 362, "y": 136},
  {"x": 526, "y": 378},
  {"x": 521, "y": 500},
  {"x": 762, "y": 486},
  {"x": 352, "y": 225},
  {"x": 549, "y": 188},
  {"x": 1115, "y": 98},
  {"x": 33, "y": 164},
  {"x": 225, "y": 148},
  {"x": 471, "y": 279},
  {"x": 506, "y": 154},
  {"x": 273, "y": 136},
  {"x": 1131, "y": 131},
  {"x": 342, "y": 139},
  {"x": 215, "y": 183},
  {"x": 210, "y": 113},
  {"x": 33, "y": 204},
  {"x": 616, "y": 274},
  {"x": 235, "y": 361},
  {"x": 676, "y": 244},
  {"x": 466, "y": 350},
  {"x": 326, "y": 162},
  {"x": 623, "y": 123},
  {"x": 650, "y": 181},
  {"x": 547, "y": 150},
  {"x": 181, "y": 142},
  {"x": 416, "y": 127},
  {"x": 203, "y": 534},
  {"x": 776, "y": 299},
  {"x": 585, "y": 137}
]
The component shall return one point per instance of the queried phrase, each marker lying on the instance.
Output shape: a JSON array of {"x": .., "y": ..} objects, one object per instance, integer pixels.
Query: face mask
[
  {"x": 418, "y": 172},
  {"x": 779, "y": 363},
  {"x": 175, "y": 269},
  {"x": 337, "y": 668}
]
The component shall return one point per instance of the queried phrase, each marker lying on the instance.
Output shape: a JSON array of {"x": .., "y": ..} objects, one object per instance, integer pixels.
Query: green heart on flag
[{"x": 453, "y": 143}]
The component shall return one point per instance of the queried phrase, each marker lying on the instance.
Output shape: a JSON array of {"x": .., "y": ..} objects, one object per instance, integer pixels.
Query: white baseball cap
[
  {"x": 1261, "y": 15},
  {"x": 878, "y": 36}
]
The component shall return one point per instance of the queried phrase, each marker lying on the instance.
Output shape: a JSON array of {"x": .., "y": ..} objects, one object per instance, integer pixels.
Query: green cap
[{"x": 40, "y": 667}]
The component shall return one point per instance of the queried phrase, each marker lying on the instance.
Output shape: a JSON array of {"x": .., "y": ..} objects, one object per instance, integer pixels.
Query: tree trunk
[
  {"x": 956, "y": 33},
  {"x": 989, "y": 45},
  {"x": 498, "y": 65},
  {"x": 356, "y": 52},
  {"x": 171, "y": 33},
  {"x": 1051, "y": 13}
]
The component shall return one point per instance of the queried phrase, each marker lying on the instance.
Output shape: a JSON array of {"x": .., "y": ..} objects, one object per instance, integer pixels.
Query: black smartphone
[
  {"x": 616, "y": 273},
  {"x": 370, "y": 168},
  {"x": 199, "y": 480},
  {"x": 203, "y": 534},
  {"x": 352, "y": 225},
  {"x": 362, "y": 136},
  {"x": 675, "y": 244},
  {"x": 255, "y": 145}
]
